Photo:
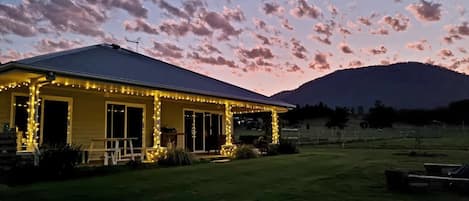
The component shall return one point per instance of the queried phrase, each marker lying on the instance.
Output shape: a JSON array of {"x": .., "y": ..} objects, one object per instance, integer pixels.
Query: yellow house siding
[
  {"x": 89, "y": 113},
  {"x": 5, "y": 107}
]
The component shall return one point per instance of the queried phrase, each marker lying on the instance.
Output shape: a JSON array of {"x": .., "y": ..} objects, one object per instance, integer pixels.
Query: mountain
[{"x": 401, "y": 85}]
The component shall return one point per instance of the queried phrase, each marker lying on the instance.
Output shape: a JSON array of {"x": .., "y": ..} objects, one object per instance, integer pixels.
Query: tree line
[{"x": 381, "y": 115}]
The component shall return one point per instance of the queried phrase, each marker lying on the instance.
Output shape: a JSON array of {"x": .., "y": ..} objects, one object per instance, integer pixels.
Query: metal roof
[{"x": 112, "y": 63}]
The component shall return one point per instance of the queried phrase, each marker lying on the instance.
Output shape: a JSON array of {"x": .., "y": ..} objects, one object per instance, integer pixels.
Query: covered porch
[{"x": 47, "y": 108}]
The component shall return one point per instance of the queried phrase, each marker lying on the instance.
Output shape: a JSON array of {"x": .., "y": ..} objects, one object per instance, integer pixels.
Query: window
[
  {"x": 125, "y": 121},
  {"x": 20, "y": 118}
]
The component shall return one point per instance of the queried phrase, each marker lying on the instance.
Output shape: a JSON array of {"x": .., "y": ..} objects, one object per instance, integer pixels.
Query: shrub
[
  {"x": 245, "y": 152},
  {"x": 287, "y": 147},
  {"x": 176, "y": 157},
  {"x": 272, "y": 149},
  {"x": 60, "y": 160}
]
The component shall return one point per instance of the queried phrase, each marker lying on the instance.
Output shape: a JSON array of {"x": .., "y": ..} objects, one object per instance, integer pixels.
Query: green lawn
[{"x": 315, "y": 174}]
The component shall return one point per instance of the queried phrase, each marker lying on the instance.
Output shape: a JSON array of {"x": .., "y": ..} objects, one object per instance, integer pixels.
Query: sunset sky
[{"x": 264, "y": 46}]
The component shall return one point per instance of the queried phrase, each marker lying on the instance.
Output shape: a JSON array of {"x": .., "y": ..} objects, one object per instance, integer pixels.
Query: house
[{"x": 103, "y": 92}]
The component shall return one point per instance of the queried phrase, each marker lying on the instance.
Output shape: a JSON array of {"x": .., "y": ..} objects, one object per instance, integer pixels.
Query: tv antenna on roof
[{"x": 134, "y": 41}]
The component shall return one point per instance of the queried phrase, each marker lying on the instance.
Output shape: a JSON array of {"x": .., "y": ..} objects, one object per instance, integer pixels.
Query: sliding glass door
[{"x": 202, "y": 130}]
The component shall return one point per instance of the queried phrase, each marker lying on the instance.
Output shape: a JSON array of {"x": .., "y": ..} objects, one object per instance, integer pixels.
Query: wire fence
[{"x": 323, "y": 135}]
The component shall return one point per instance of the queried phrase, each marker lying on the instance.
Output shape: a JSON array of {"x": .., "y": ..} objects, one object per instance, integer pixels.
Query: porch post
[
  {"x": 156, "y": 120},
  {"x": 275, "y": 133},
  {"x": 32, "y": 126},
  {"x": 228, "y": 124}
]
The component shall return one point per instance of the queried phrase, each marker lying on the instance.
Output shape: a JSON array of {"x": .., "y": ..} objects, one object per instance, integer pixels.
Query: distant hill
[{"x": 401, "y": 85}]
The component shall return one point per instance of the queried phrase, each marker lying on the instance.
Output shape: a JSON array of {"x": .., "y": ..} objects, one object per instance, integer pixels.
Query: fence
[{"x": 322, "y": 135}]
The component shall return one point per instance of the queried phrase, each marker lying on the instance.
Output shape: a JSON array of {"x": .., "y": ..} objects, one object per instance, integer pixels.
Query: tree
[
  {"x": 307, "y": 112},
  {"x": 380, "y": 116},
  {"x": 338, "y": 118},
  {"x": 459, "y": 111}
]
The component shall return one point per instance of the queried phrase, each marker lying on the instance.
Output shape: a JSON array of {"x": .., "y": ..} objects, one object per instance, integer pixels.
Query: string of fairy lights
[{"x": 32, "y": 126}]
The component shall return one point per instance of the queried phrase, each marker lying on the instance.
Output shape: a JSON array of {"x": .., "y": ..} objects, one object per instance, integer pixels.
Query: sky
[{"x": 264, "y": 46}]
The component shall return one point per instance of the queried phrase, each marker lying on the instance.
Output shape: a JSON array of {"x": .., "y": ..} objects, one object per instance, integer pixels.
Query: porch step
[
  {"x": 210, "y": 158},
  {"x": 221, "y": 161}
]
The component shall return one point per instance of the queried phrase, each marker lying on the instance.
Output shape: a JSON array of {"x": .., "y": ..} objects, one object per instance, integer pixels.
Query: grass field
[{"x": 315, "y": 174}]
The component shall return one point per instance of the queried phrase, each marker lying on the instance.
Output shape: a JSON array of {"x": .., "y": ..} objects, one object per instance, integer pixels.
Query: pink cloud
[
  {"x": 451, "y": 38},
  {"x": 365, "y": 21},
  {"x": 418, "y": 45},
  {"x": 355, "y": 63},
  {"x": 219, "y": 22},
  {"x": 298, "y": 50},
  {"x": 461, "y": 10},
  {"x": 219, "y": 60},
  {"x": 293, "y": 68},
  {"x": 462, "y": 50},
  {"x": 207, "y": 48},
  {"x": 258, "y": 52},
  {"x": 262, "y": 25},
  {"x": 333, "y": 10},
  {"x": 273, "y": 8},
  {"x": 303, "y": 9},
  {"x": 320, "y": 61},
  {"x": 345, "y": 48},
  {"x": 72, "y": 16},
  {"x": 379, "y": 50},
  {"x": 9, "y": 26},
  {"x": 192, "y": 6},
  {"x": 324, "y": 40},
  {"x": 444, "y": 53},
  {"x": 165, "y": 50},
  {"x": 265, "y": 40},
  {"x": 18, "y": 13},
  {"x": 385, "y": 62},
  {"x": 398, "y": 22},
  {"x": 425, "y": 11},
  {"x": 109, "y": 38},
  {"x": 429, "y": 60},
  {"x": 12, "y": 55},
  {"x": 46, "y": 45},
  {"x": 286, "y": 24},
  {"x": 182, "y": 28},
  {"x": 262, "y": 62},
  {"x": 380, "y": 31},
  {"x": 173, "y": 28},
  {"x": 344, "y": 31},
  {"x": 171, "y": 9},
  {"x": 140, "y": 24},
  {"x": 200, "y": 29},
  {"x": 322, "y": 28},
  {"x": 134, "y": 7},
  {"x": 462, "y": 29},
  {"x": 235, "y": 14},
  {"x": 457, "y": 63}
]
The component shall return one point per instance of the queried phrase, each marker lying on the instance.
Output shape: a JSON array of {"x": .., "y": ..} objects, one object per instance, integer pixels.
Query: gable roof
[{"x": 112, "y": 63}]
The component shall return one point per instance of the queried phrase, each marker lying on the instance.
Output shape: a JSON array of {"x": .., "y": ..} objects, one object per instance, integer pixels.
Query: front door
[{"x": 55, "y": 125}]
